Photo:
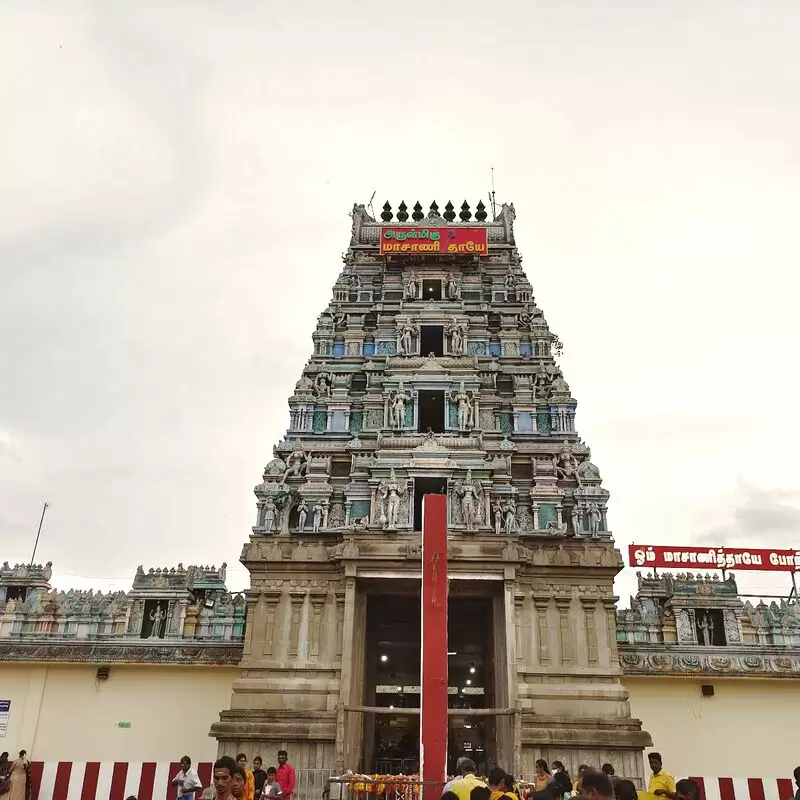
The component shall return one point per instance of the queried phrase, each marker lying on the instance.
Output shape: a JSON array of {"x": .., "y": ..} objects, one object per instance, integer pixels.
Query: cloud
[
  {"x": 8, "y": 450},
  {"x": 761, "y": 516}
]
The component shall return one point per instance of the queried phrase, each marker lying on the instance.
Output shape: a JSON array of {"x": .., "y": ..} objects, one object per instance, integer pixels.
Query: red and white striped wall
[
  {"x": 118, "y": 780},
  {"x": 746, "y": 788},
  {"x": 108, "y": 780}
]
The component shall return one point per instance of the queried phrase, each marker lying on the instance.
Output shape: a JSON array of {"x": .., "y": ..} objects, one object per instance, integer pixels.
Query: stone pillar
[
  {"x": 611, "y": 627},
  {"x": 318, "y": 599},
  {"x": 297, "y": 600},
  {"x": 565, "y": 632},
  {"x": 271, "y": 602},
  {"x": 589, "y": 607},
  {"x": 541, "y": 604}
]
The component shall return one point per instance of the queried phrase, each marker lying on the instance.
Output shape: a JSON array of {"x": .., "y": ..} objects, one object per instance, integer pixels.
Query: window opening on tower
[
  {"x": 431, "y": 411},
  {"x": 432, "y": 289},
  {"x": 431, "y": 340},
  {"x": 423, "y": 486}
]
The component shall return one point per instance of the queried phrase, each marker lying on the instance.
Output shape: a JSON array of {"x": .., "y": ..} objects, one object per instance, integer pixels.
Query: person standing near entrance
[
  {"x": 249, "y": 783},
  {"x": 259, "y": 776},
  {"x": 238, "y": 781},
  {"x": 595, "y": 785},
  {"x": 19, "y": 777},
  {"x": 286, "y": 775},
  {"x": 223, "y": 776},
  {"x": 187, "y": 781},
  {"x": 561, "y": 778},
  {"x": 661, "y": 782}
]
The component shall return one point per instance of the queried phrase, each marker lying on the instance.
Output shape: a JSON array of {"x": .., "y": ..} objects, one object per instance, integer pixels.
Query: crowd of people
[
  {"x": 556, "y": 784},
  {"x": 232, "y": 780}
]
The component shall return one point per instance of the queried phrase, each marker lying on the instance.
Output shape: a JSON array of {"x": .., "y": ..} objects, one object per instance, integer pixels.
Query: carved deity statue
[
  {"x": 296, "y": 463},
  {"x": 326, "y": 507},
  {"x": 497, "y": 510},
  {"x": 339, "y": 318},
  {"x": 411, "y": 289},
  {"x": 157, "y": 616},
  {"x": 322, "y": 384},
  {"x": 510, "y": 510},
  {"x": 466, "y": 416},
  {"x": 317, "y": 517},
  {"x": 269, "y": 514},
  {"x": 398, "y": 407},
  {"x": 457, "y": 333},
  {"x": 510, "y": 282},
  {"x": 706, "y": 626},
  {"x": 302, "y": 515},
  {"x": 393, "y": 490},
  {"x": 469, "y": 493},
  {"x": 576, "y": 521},
  {"x": 546, "y": 373},
  {"x": 380, "y": 503},
  {"x": 451, "y": 288},
  {"x": 565, "y": 465},
  {"x": 526, "y": 318},
  {"x": 594, "y": 520},
  {"x": 405, "y": 338}
]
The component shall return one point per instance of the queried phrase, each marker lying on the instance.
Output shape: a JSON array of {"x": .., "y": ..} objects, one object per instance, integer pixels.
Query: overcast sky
[{"x": 176, "y": 182}]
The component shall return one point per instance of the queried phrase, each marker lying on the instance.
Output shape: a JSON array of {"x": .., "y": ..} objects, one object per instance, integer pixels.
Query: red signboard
[
  {"x": 409, "y": 240},
  {"x": 648, "y": 555}
]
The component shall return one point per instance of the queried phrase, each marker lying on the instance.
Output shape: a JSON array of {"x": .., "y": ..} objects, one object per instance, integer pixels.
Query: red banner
[
  {"x": 648, "y": 555},
  {"x": 408, "y": 240}
]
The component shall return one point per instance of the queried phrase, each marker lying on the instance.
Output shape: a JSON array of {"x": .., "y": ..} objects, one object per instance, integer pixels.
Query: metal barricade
[
  {"x": 311, "y": 784},
  {"x": 379, "y": 787}
]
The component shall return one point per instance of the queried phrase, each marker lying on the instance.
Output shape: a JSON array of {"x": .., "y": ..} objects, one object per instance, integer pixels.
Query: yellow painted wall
[
  {"x": 62, "y": 713},
  {"x": 747, "y": 729}
]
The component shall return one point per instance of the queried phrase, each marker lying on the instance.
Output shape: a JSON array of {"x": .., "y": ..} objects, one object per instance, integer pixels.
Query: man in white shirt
[{"x": 186, "y": 782}]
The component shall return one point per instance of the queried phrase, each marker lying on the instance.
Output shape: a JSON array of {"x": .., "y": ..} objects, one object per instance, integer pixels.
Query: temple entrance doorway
[{"x": 392, "y": 680}]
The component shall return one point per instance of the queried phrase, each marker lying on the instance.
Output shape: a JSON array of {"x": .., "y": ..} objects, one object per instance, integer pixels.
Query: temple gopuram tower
[{"x": 432, "y": 371}]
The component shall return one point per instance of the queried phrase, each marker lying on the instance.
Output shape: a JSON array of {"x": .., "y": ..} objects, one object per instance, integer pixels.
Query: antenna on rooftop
[
  {"x": 491, "y": 198},
  {"x": 38, "y": 533},
  {"x": 371, "y": 209}
]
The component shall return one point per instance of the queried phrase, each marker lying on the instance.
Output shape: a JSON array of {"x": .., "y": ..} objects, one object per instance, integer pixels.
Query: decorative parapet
[
  {"x": 366, "y": 229},
  {"x": 118, "y": 652},
  {"x": 721, "y": 662},
  {"x": 183, "y": 604},
  {"x": 696, "y": 624}
]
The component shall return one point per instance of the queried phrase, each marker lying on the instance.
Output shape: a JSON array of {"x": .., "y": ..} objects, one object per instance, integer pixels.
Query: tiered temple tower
[{"x": 432, "y": 371}]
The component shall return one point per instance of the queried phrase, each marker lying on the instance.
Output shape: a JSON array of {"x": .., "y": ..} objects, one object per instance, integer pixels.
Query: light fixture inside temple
[
  {"x": 469, "y": 682},
  {"x": 452, "y": 653},
  {"x": 384, "y": 658},
  {"x": 400, "y": 689},
  {"x": 471, "y": 669}
]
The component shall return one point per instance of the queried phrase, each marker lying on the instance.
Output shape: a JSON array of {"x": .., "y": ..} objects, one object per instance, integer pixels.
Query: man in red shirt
[{"x": 286, "y": 777}]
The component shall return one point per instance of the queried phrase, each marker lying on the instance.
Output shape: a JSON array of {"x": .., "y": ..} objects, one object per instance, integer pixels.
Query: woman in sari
[
  {"x": 543, "y": 776},
  {"x": 19, "y": 777}
]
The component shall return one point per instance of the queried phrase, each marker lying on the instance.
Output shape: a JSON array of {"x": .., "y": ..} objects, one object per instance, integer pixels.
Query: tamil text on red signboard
[
  {"x": 650, "y": 555},
  {"x": 401, "y": 240}
]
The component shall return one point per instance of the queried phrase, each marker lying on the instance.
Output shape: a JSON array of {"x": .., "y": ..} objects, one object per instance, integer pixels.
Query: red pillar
[{"x": 433, "y": 664}]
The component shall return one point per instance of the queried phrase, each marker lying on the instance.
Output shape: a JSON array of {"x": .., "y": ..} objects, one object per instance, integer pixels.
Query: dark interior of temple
[
  {"x": 431, "y": 411},
  {"x": 431, "y": 340},
  {"x": 393, "y": 680}
]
